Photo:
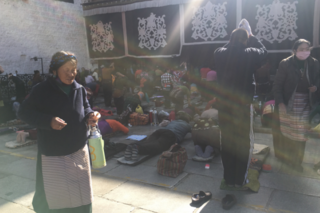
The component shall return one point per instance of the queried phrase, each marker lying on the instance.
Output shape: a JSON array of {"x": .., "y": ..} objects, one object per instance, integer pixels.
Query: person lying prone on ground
[
  {"x": 109, "y": 126},
  {"x": 161, "y": 140}
]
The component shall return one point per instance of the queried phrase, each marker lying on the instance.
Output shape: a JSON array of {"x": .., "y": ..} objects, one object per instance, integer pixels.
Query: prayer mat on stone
[{"x": 253, "y": 185}]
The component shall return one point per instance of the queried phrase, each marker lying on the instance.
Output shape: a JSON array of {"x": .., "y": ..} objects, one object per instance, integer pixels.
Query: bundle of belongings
[
  {"x": 133, "y": 113},
  {"x": 260, "y": 153},
  {"x": 24, "y": 138},
  {"x": 267, "y": 113},
  {"x": 137, "y": 119},
  {"x": 124, "y": 116},
  {"x": 314, "y": 132},
  {"x": 206, "y": 138},
  {"x": 132, "y": 100}
]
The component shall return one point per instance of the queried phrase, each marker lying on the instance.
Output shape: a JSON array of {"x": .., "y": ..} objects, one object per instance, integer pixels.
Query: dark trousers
[
  {"x": 236, "y": 145},
  {"x": 285, "y": 149},
  {"x": 159, "y": 141},
  {"x": 119, "y": 103},
  {"x": 107, "y": 91},
  {"x": 166, "y": 95}
]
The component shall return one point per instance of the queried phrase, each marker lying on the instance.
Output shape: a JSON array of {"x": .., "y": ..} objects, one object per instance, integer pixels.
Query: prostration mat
[
  {"x": 253, "y": 185},
  {"x": 14, "y": 144}
]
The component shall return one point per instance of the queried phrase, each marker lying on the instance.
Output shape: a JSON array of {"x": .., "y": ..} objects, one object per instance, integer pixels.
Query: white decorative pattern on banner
[
  {"x": 277, "y": 21},
  {"x": 102, "y": 37},
  {"x": 152, "y": 32},
  {"x": 209, "y": 22}
]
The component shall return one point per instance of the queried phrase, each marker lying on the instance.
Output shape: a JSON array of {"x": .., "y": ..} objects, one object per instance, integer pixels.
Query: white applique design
[
  {"x": 209, "y": 22},
  {"x": 102, "y": 37},
  {"x": 277, "y": 21},
  {"x": 152, "y": 32}
]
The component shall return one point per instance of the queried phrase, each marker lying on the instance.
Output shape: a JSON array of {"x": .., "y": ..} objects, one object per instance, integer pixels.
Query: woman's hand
[
  {"x": 57, "y": 123},
  {"x": 93, "y": 118},
  {"x": 282, "y": 108},
  {"x": 313, "y": 89}
]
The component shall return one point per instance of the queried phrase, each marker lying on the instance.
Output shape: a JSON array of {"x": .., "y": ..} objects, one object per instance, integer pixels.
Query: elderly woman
[
  {"x": 58, "y": 107},
  {"x": 295, "y": 91}
]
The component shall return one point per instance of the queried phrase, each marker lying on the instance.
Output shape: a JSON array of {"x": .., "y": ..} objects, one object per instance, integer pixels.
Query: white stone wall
[{"x": 40, "y": 28}]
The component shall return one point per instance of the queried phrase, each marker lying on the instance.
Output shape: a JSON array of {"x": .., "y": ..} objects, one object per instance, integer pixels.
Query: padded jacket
[
  {"x": 288, "y": 77},
  {"x": 46, "y": 101},
  {"x": 235, "y": 66}
]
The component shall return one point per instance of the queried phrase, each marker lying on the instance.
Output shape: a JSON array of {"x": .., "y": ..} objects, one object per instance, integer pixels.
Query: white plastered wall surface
[{"x": 40, "y": 28}]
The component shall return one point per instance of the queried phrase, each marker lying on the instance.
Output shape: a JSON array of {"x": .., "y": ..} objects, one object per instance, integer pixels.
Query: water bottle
[
  {"x": 155, "y": 117},
  {"x": 151, "y": 117},
  {"x": 96, "y": 145}
]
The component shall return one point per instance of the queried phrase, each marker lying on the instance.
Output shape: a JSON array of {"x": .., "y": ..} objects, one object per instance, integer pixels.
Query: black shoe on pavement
[{"x": 228, "y": 201}]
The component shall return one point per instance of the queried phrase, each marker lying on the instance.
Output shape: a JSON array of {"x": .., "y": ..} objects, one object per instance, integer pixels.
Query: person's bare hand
[
  {"x": 313, "y": 89},
  {"x": 57, "y": 123},
  {"x": 282, "y": 108},
  {"x": 93, "y": 118},
  {"x": 1, "y": 70}
]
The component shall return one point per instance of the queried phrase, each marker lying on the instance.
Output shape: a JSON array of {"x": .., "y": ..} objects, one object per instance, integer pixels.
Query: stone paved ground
[{"x": 123, "y": 189}]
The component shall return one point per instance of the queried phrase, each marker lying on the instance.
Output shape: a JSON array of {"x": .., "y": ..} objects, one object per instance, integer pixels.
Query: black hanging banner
[
  {"x": 210, "y": 21},
  {"x": 154, "y": 31},
  {"x": 279, "y": 23},
  {"x": 105, "y": 35}
]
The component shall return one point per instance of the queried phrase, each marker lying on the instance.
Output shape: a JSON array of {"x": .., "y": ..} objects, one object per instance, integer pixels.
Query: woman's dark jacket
[
  {"x": 288, "y": 77},
  {"x": 46, "y": 101}
]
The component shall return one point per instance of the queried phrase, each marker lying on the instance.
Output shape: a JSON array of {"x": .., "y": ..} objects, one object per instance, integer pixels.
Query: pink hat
[{"x": 211, "y": 75}]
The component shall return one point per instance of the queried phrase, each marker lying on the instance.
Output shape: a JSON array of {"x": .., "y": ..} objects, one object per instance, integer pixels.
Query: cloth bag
[
  {"x": 173, "y": 161},
  {"x": 137, "y": 119},
  {"x": 124, "y": 116},
  {"x": 139, "y": 109}
]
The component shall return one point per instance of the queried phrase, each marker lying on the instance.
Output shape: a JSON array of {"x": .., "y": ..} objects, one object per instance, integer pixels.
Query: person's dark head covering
[
  {"x": 59, "y": 59},
  {"x": 239, "y": 36},
  {"x": 181, "y": 115}
]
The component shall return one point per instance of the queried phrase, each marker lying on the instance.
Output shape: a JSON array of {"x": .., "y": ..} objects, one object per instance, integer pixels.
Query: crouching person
[{"x": 206, "y": 139}]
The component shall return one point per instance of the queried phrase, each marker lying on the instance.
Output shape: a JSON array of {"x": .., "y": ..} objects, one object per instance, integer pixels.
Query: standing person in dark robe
[{"x": 235, "y": 65}]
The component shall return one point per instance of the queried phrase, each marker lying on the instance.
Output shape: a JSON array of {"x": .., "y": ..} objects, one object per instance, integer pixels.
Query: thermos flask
[{"x": 96, "y": 145}]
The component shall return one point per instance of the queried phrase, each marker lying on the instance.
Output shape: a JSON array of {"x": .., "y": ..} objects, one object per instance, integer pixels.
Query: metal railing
[{"x": 7, "y": 87}]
